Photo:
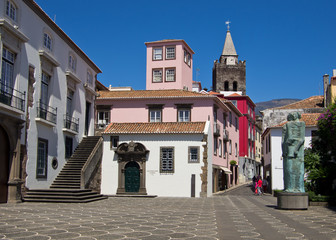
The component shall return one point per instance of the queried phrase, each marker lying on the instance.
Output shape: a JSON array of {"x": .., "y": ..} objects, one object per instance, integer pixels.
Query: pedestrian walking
[
  {"x": 264, "y": 185},
  {"x": 259, "y": 186}
]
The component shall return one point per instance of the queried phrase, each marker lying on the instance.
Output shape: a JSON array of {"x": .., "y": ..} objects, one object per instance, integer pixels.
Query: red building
[{"x": 247, "y": 162}]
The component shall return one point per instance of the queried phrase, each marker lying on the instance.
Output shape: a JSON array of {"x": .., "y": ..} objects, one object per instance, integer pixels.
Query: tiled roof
[
  {"x": 171, "y": 93},
  {"x": 156, "y": 128},
  {"x": 309, "y": 118},
  {"x": 311, "y": 102},
  {"x": 235, "y": 95}
]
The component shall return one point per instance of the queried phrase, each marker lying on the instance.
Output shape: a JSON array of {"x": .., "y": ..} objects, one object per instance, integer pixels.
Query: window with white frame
[
  {"x": 193, "y": 153},
  {"x": 72, "y": 62},
  {"x": 189, "y": 60},
  {"x": 184, "y": 115},
  {"x": 42, "y": 158},
  {"x": 155, "y": 115},
  {"x": 11, "y": 10},
  {"x": 7, "y": 71},
  {"x": 170, "y": 75},
  {"x": 170, "y": 52},
  {"x": 157, "y": 75},
  {"x": 157, "y": 53},
  {"x": 103, "y": 118},
  {"x": 167, "y": 160},
  {"x": 47, "y": 41},
  {"x": 89, "y": 79},
  {"x": 220, "y": 147}
]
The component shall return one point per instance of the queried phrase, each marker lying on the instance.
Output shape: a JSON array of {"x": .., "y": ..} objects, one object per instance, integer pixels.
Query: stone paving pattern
[{"x": 236, "y": 214}]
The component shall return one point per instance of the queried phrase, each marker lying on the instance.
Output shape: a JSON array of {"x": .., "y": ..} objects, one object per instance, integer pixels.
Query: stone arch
[
  {"x": 127, "y": 153},
  {"x": 235, "y": 86},
  {"x": 226, "y": 86}
]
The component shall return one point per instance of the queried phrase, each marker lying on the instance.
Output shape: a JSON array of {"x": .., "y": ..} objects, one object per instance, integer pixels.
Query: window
[
  {"x": 42, "y": 158},
  {"x": 236, "y": 149},
  {"x": 220, "y": 147},
  {"x": 230, "y": 147},
  {"x": 226, "y": 86},
  {"x": 236, "y": 124},
  {"x": 157, "y": 75},
  {"x": 215, "y": 146},
  {"x": 103, "y": 118},
  {"x": 170, "y": 75},
  {"x": 69, "y": 103},
  {"x": 157, "y": 53},
  {"x": 166, "y": 160},
  {"x": 7, "y": 72},
  {"x": 68, "y": 147},
  {"x": 72, "y": 63},
  {"x": 155, "y": 115},
  {"x": 224, "y": 149},
  {"x": 47, "y": 41},
  {"x": 234, "y": 102},
  {"x": 224, "y": 120},
  {"x": 193, "y": 153},
  {"x": 89, "y": 78},
  {"x": 235, "y": 86},
  {"x": 184, "y": 115},
  {"x": 189, "y": 60},
  {"x": 230, "y": 118},
  {"x": 45, "y": 79},
  {"x": 114, "y": 141},
  {"x": 187, "y": 57},
  {"x": 11, "y": 10},
  {"x": 155, "y": 112},
  {"x": 170, "y": 52}
]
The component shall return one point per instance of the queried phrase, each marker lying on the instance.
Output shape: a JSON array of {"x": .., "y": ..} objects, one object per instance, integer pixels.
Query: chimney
[{"x": 325, "y": 87}]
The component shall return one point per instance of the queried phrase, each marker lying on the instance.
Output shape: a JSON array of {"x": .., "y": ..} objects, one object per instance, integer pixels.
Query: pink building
[
  {"x": 169, "y": 101},
  {"x": 169, "y": 65}
]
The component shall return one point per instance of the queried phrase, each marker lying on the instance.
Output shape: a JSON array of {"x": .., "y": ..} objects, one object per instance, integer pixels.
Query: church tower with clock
[{"x": 229, "y": 74}]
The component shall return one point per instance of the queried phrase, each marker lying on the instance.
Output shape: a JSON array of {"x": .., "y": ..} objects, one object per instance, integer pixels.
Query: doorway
[
  {"x": 4, "y": 165},
  {"x": 132, "y": 177},
  {"x": 87, "y": 118}
]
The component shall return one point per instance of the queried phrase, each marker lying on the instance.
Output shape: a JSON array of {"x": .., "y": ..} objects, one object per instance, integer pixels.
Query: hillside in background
[{"x": 273, "y": 104}]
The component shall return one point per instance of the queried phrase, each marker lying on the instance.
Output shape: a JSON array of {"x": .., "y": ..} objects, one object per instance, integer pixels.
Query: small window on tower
[
  {"x": 235, "y": 86},
  {"x": 226, "y": 86}
]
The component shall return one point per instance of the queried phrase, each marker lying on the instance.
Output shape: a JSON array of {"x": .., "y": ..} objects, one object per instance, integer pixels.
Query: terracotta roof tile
[
  {"x": 174, "y": 93},
  {"x": 309, "y": 118},
  {"x": 156, "y": 128},
  {"x": 311, "y": 102},
  {"x": 235, "y": 95}
]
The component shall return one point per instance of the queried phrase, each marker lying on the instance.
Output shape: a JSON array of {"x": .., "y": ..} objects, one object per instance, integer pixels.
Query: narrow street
[{"x": 236, "y": 214}]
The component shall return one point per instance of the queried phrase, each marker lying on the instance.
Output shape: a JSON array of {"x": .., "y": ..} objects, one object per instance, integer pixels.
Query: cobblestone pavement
[{"x": 237, "y": 214}]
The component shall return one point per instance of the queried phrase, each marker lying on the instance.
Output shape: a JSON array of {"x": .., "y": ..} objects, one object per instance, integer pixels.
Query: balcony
[
  {"x": 46, "y": 114},
  {"x": 70, "y": 124},
  {"x": 216, "y": 129},
  {"x": 225, "y": 135},
  {"x": 11, "y": 97}
]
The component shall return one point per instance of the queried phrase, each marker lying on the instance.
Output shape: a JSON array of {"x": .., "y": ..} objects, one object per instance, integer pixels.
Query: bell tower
[{"x": 229, "y": 74}]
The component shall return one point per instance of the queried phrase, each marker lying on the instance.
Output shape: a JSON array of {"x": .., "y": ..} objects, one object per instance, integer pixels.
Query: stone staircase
[{"x": 67, "y": 185}]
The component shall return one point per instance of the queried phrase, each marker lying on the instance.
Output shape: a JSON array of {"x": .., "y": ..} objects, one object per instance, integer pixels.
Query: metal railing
[
  {"x": 12, "y": 97},
  {"x": 46, "y": 112},
  {"x": 71, "y": 123},
  {"x": 216, "y": 129}
]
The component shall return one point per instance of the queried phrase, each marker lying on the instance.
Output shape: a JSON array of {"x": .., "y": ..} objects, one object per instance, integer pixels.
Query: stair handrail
[{"x": 91, "y": 163}]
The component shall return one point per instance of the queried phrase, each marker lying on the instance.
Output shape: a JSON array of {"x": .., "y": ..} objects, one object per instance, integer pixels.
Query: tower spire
[{"x": 229, "y": 49}]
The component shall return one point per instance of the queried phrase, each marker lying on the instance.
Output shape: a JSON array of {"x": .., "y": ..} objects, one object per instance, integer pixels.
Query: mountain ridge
[{"x": 260, "y": 106}]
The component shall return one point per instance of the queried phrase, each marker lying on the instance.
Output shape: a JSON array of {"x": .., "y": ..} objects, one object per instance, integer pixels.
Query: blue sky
[{"x": 288, "y": 45}]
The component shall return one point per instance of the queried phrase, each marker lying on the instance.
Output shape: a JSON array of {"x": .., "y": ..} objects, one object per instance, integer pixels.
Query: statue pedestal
[{"x": 292, "y": 201}]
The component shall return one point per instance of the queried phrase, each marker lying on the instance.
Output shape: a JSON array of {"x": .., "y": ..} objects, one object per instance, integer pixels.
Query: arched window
[
  {"x": 235, "y": 86},
  {"x": 226, "y": 86},
  {"x": 11, "y": 10}
]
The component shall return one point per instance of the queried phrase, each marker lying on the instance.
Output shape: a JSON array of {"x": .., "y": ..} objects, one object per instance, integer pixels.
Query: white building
[
  {"x": 272, "y": 138},
  {"x": 163, "y": 159},
  {"x": 47, "y": 97}
]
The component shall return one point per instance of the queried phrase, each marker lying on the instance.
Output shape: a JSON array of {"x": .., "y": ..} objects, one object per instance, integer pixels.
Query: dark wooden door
[
  {"x": 4, "y": 165},
  {"x": 132, "y": 177}
]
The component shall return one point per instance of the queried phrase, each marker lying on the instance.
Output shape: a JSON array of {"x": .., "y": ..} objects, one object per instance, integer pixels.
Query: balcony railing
[
  {"x": 71, "y": 123},
  {"x": 12, "y": 97},
  {"x": 46, "y": 112},
  {"x": 216, "y": 129}
]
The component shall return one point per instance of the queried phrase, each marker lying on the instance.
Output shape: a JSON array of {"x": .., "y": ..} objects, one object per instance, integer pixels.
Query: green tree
[{"x": 324, "y": 145}]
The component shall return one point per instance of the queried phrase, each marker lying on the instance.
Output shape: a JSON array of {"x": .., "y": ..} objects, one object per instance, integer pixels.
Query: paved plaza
[{"x": 236, "y": 214}]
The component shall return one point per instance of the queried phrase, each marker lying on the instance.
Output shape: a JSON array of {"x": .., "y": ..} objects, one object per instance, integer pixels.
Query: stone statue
[{"x": 293, "y": 134}]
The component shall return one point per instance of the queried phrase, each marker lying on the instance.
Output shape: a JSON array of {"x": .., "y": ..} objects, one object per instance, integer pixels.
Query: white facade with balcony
[{"x": 47, "y": 86}]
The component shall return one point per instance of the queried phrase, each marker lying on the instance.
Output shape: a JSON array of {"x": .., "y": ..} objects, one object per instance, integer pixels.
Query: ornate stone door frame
[{"x": 128, "y": 152}]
